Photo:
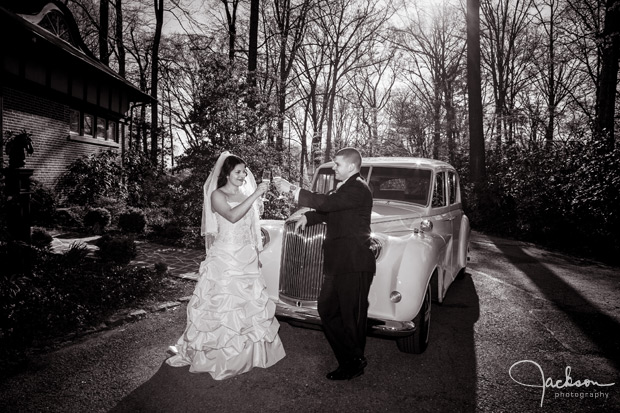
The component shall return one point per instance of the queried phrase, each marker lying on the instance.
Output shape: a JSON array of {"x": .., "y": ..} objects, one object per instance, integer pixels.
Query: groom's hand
[
  {"x": 301, "y": 223},
  {"x": 282, "y": 185}
]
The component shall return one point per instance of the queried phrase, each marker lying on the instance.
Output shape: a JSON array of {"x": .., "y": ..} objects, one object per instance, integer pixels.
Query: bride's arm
[{"x": 219, "y": 204}]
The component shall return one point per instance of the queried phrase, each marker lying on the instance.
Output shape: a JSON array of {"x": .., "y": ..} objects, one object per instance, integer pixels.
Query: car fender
[
  {"x": 270, "y": 256},
  {"x": 419, "y": 255},
  {"x": 465, "y": 235}
]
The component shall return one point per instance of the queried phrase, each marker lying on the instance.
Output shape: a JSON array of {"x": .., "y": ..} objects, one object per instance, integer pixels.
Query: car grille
[{"x": 301, "y": 268}]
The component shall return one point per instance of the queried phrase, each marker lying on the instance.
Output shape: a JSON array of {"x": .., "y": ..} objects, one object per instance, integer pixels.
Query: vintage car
[{"x": 420, "y": 238}]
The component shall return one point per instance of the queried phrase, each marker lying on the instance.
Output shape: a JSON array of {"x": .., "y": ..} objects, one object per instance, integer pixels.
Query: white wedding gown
[{"x": 231, "y": 326}]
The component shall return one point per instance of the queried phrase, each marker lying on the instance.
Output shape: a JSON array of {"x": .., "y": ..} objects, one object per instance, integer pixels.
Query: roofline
[{"x": 55, "y": 41}]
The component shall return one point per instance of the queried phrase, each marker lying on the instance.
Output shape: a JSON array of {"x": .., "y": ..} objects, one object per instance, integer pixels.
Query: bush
[
  {"x": 63, "y": 294},
  {"x": 116, "y": 249},
  {"x": 114, "y": 205},
  {"x": 42, "y": 205},
  {"x": 69, "y": 217},
  {"x": 89, "y": 178},
  {"x": 133, "y": 221},
  {"x": 161, "y": 268},
  {"x": 553, "y": 195},
  {"x": 97, "y": 219},
  {"x": 41, "y": 239}
]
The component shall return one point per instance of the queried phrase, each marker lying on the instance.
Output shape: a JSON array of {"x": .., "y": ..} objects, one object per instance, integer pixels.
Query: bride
[{"x": 231, "y": 326}]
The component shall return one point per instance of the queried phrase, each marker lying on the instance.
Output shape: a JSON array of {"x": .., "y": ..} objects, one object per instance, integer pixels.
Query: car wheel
[{"x": 418, "y": 341}]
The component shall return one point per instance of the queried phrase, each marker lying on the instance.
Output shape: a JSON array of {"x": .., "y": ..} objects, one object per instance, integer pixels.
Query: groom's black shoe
[
  {"x": 356, "y": 367},
  {"x": 350, "y": 370},
  {"x": 339, "y": 374}
]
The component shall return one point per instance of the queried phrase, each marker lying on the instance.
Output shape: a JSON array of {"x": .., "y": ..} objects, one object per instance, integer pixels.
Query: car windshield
[{"x": 386, "y": 182}]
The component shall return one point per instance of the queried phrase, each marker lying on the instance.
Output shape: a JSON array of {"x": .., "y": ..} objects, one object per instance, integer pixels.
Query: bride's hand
[{"x": 262, "y": 188}]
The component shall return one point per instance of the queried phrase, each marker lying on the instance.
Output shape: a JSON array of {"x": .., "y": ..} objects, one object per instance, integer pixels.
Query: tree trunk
[
  {"x": 231, "y": 19},
  {"x": 606, "y": 96},
  {"x": 159, "y": 16},
  {"x": 436, "y": 124},
  {"x": 120, "y": 47},
  {"x": 104, "y": 27},
  {"x": 253, "y": 46},
  {"x": 451, "y": 129},
  {"x": 551, "y": 98},
  {"x": 476, "y": 136}
]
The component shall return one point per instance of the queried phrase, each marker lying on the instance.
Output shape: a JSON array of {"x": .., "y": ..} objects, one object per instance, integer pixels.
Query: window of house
[
  {"x": 101, "y": 128},
  {"x": 112, "y": 131},
  {"x": 88, "y": 124},
  {"x": 74, "y": 126},
  {"x": 85, "y": 127}
]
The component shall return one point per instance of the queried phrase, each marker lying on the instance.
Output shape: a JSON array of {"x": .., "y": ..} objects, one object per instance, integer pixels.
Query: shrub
[
  {"x": 69, "y": 217},
  {"x": 97, "y": 219},
  {"x": 42, "y": 205},
  {"x": 63, "y": 294},
  {"x": 161, "y": 268},
  {"x": 41, "y": 239},
  {"x": 89, "y": 178},
  {"x": 133, "y": 221},
  {"x": 118, "y": 249},
  {"x": 114, "y": 205}
]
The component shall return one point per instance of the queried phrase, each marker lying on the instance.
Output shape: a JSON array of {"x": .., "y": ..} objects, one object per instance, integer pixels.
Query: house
[{"x": 54, "y": 88}]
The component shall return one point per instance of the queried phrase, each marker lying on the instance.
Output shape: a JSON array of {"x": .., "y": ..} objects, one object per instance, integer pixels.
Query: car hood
[
  {"x": 383, "y": 210},
  {"x": 390, "y": 216}
]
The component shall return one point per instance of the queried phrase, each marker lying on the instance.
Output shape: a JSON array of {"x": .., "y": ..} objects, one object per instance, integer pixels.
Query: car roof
[{"x": 400, "y": 161}]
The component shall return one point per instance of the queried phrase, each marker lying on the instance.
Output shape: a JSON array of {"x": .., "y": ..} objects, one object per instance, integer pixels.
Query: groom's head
[{"x": 347, "y": 162}]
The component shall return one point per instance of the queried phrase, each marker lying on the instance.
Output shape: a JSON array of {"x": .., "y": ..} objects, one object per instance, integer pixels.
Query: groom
[{"x": 349, "y": 263}]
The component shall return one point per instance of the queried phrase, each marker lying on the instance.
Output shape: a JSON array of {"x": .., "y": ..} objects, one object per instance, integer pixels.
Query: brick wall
[{"x": 48, "y": 122}]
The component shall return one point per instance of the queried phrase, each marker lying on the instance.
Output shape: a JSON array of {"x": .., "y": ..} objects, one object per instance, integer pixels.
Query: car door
[
  {"x": 456, "y": 217},
  {"x": 442, "y": 225}
]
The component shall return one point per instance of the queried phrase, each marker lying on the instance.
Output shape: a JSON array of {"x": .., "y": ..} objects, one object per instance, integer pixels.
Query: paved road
[{"x": 518, "y": 306}]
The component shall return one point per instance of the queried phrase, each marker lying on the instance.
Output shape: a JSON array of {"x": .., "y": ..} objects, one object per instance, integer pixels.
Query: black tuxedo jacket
[{"x": 347, "y": 213}]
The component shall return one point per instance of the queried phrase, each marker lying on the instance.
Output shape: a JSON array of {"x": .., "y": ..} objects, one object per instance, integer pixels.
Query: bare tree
[
  {"x": 120, "y": 46},
  {"x": 608, "y": 82},
  {"x": 284, "y": 38},
  {"x": 477, "y": 165},
  {"x": 104, "y": 28},
  {"x": 313, "y": 75},
  {"x": 435, "y": 48},
  {"x": 253, "y": 44},
  {"x": 231, "y": 19},
  {"x": 348, "y": 28},
  {"x": 554, "y": 75},
  {"x": 372, "y": 87},
  {"x": 507, "y": 52},
  {"x": 159, "y": 21}
]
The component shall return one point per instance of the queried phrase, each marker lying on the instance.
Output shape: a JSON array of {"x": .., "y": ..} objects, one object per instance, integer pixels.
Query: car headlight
[
  {"x": 426, "y": 225},
  {"x": 264, "y": 234},
  {"x": 375, "y": 246}
]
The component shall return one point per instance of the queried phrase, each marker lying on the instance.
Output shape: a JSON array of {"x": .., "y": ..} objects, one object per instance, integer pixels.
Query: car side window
[
  {"x": 452, "y": 187},
  {"x": 439, "y": 191}
]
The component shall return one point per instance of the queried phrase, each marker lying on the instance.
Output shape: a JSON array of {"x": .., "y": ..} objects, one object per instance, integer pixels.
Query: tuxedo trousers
[{"x": 343, "y": 308}]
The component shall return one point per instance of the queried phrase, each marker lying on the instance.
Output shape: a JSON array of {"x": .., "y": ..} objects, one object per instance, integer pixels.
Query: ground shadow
[
  {"x": 597, "y": 326},
  {"x": 443, "y": 378}
]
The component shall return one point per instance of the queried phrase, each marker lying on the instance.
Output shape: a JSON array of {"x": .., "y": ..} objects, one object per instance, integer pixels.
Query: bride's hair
[{"x": 227, "y": 167}]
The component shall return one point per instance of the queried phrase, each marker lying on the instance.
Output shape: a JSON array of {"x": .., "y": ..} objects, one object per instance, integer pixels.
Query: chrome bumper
[{"x": 309, "y": 315}]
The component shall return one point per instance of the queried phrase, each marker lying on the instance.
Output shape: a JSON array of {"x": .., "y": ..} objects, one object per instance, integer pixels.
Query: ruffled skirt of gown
[{"x": 231, "y": 326}]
